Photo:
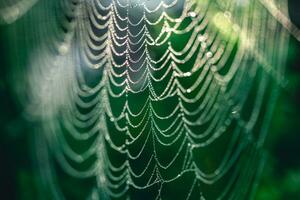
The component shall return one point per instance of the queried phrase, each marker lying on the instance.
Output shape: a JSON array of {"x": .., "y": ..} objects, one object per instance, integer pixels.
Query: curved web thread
[{"x": 158, "y": 99}]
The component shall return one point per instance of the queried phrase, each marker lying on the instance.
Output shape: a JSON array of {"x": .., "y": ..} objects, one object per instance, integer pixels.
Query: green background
[{"x": 280, "y": 178}]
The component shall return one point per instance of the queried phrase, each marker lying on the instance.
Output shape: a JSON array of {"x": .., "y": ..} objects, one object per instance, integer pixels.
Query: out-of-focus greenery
[{"x": 281, "y": 175}]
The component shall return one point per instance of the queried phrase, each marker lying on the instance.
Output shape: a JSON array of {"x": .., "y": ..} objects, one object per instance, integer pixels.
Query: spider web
[{"x": 153, "y": 99}]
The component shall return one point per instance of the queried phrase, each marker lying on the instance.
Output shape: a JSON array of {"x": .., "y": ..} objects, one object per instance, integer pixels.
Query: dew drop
[
  {"x": 63, "y": 49},
  {"x": 177, "y": 20},
  {"x": 202, "y": 38},
  {"x": 192, "y": 14},
  {"x": 167, "y": 29},
  {"x": 209, "y": 54},
  {"x": 234, "y": 112},
  {"x": 186, "y": 74}
]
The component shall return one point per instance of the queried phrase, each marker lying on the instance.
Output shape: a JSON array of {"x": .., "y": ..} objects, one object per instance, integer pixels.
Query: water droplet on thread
[
  {"x": 209, "y": 54},
  {"x": 202, "y": 38},
  {"x": 192, "y": 14},
  {"x": 167, "y": 29},
  {"x": 63, "y": 49},
  {"x": 235, "y": 112},
  {"x": 186, "y": 74},
  {"x": 177, "y": 20}
]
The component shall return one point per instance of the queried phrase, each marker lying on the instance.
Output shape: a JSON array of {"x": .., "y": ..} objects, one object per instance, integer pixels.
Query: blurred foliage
[{"x": 281, "y": 175}]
